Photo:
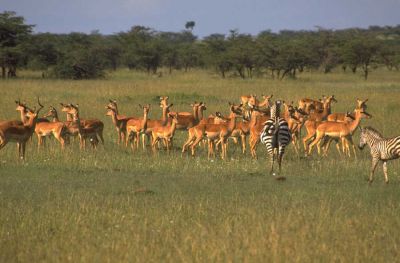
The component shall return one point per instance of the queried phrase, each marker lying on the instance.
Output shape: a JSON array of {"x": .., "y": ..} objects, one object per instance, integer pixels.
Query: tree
[
  {"x": 190, "y": 25},
  {"x": 13, "y": 33},
  {"x": 216, "y": 50},
  {"x": 361, "y": 51}
]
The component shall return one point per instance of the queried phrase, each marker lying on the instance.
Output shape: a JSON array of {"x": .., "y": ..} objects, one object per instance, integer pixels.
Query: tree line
[{"x": 278, "y": 55}]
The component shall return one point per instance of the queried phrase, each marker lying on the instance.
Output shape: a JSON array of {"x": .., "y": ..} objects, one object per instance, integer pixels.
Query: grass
[{"x": 115, "y": 205}]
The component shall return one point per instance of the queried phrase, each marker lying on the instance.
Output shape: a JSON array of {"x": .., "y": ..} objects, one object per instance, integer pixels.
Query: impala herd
[{"x": 244, "y": 120}]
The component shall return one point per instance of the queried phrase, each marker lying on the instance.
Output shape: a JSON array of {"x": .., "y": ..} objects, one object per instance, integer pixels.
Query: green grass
[{"x": 84, "y": 206}]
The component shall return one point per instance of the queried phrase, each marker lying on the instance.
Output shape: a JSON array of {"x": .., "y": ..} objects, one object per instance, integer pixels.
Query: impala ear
[{"x": 170, "y": 105}]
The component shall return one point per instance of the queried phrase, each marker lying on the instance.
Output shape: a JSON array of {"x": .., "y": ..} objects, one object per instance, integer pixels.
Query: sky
[{"x": 211, "y": 16}]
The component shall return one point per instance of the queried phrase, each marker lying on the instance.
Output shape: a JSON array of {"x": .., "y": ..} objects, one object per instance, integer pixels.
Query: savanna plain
[{"x": 88, "y": 206}]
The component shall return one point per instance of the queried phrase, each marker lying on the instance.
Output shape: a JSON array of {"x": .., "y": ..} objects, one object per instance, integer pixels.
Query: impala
[
  {"x": 307, "y": 104},
  {"x": 289, "y": 114},
  {"x": 119, "y": 123},
  {"x": 165, "y": 133},
  {"x": 95, "y": 124},
  {"x": 252, "y": 100},
  {"x": 257, "y": 119},
  {"x": 151, "y": 124},
  {"x": 85, "y": 133},
  {"x": 56, "y": 128},
  {"x": 340, "y": 130},
  {"x": 19, "y": 133},
  {"x": 341, "y": 116},
  {"x": 135, "y": 127},
  {"x": 314, "y": 119}
]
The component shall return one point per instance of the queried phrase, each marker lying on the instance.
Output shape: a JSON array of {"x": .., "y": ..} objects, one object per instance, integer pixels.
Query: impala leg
[
  {"x": 100, "y": 134},
  {"x": 198, "y": 139},
  {"x": 306, "y": 142},
  {"x": 60, "y": 139},
  {"x": 39, "y": 141},
  {"x": 188, "y": 142},
  {"x": 210, "y": 148},
  {"x": 350, "y": 139},
  {"x": 23, "y": 147},
  {"x": 243, "y": 139},
  {"x": 132, "y": 139},
  {"x": 143, "y": 140},
  {"x": 385, "y": 172},
  {"x": 373, "y": 167},
  {"x": 123, "y": 135},
  {"x": 153, "y": 144},
  {"x": 316, "y": 140},
  {"x": 127, "y": 138}
]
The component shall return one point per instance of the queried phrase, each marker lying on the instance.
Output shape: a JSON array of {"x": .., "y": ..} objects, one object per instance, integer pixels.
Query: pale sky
[{"x": 211, "y": 16}]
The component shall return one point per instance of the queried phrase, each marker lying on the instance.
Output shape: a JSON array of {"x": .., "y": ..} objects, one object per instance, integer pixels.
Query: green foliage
[
  {"x": 280, "y": 55},
  {"x": 13, "y": 33}
]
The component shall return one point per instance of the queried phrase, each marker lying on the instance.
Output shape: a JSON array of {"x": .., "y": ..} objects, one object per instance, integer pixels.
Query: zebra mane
[{"x": 373, "y": 131}]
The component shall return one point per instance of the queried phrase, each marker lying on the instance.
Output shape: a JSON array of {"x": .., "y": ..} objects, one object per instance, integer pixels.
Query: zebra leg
[
  {"x": 272, "y": 162},
  {"x": 280, "y": 157},
  {"x": 385, "y": 172},
  {"x": 373, "y": 167}
]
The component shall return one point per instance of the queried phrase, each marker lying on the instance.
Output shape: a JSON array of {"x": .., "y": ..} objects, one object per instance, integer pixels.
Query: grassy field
[{"x": 84, "y": 206}]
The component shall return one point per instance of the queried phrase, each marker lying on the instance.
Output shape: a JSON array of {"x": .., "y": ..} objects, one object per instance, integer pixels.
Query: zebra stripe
[
  {"x": 382, "y": 149},
  {"x": 275, "y": 135}
]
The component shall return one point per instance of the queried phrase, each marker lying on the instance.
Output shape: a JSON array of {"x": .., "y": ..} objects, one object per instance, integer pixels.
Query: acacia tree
[
  {"x": 13, "y": 33},
  {"x": 361, "y": 51},
  {"x": 216, "y": 53}
]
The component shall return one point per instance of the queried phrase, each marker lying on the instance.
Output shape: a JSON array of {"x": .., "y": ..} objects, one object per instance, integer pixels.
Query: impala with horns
[
  {"x": 19, "y": 133},
  {"x": 339, "y": 130}
]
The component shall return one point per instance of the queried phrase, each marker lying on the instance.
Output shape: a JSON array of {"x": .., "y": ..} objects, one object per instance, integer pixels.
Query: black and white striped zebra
[
  {"x": 276, "y": 135},
  {"x": 382, "y": 149}
]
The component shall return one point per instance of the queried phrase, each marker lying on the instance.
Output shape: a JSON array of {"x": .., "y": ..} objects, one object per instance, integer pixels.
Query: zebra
[
  {"x": 382, "y": 149},
  {"x": 276, "y": 135}
]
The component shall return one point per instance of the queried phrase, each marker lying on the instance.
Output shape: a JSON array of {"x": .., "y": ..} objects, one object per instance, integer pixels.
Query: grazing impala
[
  {"x": 135, "y": 127},
  {"x": 56, "y": 128},
  {"x": 19, "y": 133},
  {"x": 95, "y": 124},
  {"x": 165, "y": 133},
  {"x": 340, "y": 130}
]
